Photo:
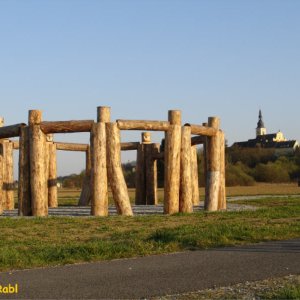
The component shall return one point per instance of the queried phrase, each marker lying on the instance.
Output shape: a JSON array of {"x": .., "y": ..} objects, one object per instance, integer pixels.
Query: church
[{"x": 275, "y": 141}]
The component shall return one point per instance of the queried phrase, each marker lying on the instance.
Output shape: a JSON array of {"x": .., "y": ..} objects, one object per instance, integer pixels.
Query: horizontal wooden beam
[
  {"x": 202, "y": 130},
  {"x": 71, "y": 146},
  {"x": 143, "y": 125},
  {"x": 66, "y": 126},
  {"x": 199, "y": 139},
  {"x": 129, "y": 146},
  {"x": 10, "y": 131},
  {"x": 84, "y": 147}
]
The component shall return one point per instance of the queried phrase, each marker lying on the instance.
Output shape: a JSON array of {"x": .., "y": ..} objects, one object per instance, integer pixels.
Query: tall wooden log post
[
  {"x": 146, "y": 172},
  {"x": 172, "y": 163},
  {"x": 52, "y": 179},
  {"x": 152, "y": 198},
  {"x": 222, "y": 192},
  {"x": 151, "y": 172},
  {"x": 140, "y": 177},
  {"x": 213, "y": 167},
  {"x": 7, "y": 181},
  {"x": 140, "y": 186},
  {"x": 38, "y": 165},
  {"x": 115, "y": 173},
  {"x": 1, "y": 179},
  {"x": 1, "y": 169},
  {"x": 194, "y": 175},
  {"x": 24, "y": 191},
  {"x": 186, "y": 192},
  {"x": 99, "y": 163},
  {"x": 205, "y": 163},
  {"x": 8, "y": 175},
  {"x": 86, "y": 193}
]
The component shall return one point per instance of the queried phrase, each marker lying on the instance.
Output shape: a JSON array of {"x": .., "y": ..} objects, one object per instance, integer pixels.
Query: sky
[{"x": 145, "y": 57}]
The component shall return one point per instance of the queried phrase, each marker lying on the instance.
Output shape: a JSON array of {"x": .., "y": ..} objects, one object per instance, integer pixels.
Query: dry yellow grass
[
  {"x": 70, "y": 196},
  {"x": 264, "y": 189}
]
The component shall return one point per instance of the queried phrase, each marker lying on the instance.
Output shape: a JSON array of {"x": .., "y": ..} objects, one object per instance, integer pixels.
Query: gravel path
[
  {"x": 82, "y": 211},
  {"x": 249, "y": 290}
]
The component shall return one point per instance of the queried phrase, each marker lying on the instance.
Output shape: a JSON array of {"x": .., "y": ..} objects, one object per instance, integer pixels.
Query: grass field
[{"x": 33, "y": 242}]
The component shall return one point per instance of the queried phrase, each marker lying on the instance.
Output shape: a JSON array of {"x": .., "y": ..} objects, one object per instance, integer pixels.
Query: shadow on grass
[{"x": 167, "y": 236}]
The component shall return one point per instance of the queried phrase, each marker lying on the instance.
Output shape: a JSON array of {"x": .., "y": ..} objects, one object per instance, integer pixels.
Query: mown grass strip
[{"x": 33, "y": 242}]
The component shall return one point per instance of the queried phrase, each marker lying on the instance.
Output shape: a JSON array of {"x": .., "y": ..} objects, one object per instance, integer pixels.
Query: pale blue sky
[{"x": 224, "y": 58}]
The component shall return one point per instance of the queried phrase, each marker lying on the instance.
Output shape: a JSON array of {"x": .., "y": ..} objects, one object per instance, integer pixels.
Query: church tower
[{"x": 260, "y": 129}]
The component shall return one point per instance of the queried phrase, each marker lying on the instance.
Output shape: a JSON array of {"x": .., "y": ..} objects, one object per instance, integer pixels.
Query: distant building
[{"x": 275, "y": 141}]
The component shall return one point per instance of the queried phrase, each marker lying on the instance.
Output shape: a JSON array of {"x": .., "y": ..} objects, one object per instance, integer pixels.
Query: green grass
[
  {"x": 289, "y": 291},
  {"x": 32, "y": 242}
]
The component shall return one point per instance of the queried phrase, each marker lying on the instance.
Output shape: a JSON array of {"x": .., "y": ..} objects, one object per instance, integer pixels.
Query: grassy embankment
[{"x": 32, "y": 242}]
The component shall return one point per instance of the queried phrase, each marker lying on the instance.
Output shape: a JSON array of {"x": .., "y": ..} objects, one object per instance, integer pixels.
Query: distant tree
[
  {"x": 129, "y": 173},
  {"x": 250, "y": 156},
  {"x": 271, "y": 172},
  {"x": 237, "y": 175}
]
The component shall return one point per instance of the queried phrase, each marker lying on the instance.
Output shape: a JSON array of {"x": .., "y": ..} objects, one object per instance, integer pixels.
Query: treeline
[
  {"x": 243, "y": 167},
  {"x": 76, "y": 180},
  {"x": 72, "y": 181}
]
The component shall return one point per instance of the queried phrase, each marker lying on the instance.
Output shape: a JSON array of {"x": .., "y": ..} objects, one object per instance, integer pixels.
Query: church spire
[
  {"x": 260, "y": 129},
  {"x": 260, "y": 123}
]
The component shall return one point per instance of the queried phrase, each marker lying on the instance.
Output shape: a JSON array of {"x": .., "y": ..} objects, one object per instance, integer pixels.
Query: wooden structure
[
  {"x": 37, "y": 163},
  {"x": 146, "y": 171}
]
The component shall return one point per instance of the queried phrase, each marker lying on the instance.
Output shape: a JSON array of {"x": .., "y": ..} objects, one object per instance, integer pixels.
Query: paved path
[{"x": 158, "y": 275}]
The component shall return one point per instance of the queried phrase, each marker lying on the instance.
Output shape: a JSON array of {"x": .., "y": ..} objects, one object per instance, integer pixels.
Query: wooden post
[
  {"x": 1, "y": 170},
  {"x": 1, "y": 178},
  {"x": 205, "y": 163},
  {"x": 38, "y": 176},
  {"x": 86, "y": 193},
  {"x": 8, "y": 175},
  {"x": 185, "y": 199},
  {"x": 52, "y": 180},
  {"x": 140, "y": 188},
  {"x": 88, "y": 160},
  {"x": 115, "y": 173},
  {"x": 99, "y": 163},
  {"x": 194, "y": 175},
  {"x": 103, "y": 114},
  {"x": 172, "y": 163},
  {"x": 149, "y": 195},
  {"x": 213, "y": 166},
  {"x": 152, "y": 198},
  {"x": 140, "y": 177},
  {"x": 151, "y": 173},
  {"x": 222, "y": 193},
  {"x": 24, "y": 191}
]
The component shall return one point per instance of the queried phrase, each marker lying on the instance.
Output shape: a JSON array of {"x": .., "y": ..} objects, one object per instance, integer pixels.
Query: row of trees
[
  {"x": 247, "y": 166},
  {"x": 243, "y": 167}
]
